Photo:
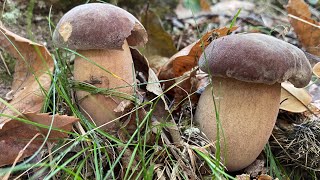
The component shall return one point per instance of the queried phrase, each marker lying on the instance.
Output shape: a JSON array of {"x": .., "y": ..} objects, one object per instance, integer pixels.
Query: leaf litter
[
  {"x": 177, "y": 69},
  {"x": 31, "y": 82}
]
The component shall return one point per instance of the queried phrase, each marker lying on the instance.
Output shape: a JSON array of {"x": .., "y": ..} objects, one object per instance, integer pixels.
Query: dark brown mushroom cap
[
  {"x": 256, "y": 58},
  {"x": 98, "y": 26}
]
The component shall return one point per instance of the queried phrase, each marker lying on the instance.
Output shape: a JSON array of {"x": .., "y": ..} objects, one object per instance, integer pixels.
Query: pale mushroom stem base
[
  {"x": 100, "y": 108},
  {"x": 247, "y": 112}
]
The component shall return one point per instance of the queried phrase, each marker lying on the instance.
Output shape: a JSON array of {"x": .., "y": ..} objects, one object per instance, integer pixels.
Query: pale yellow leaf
[
  {"x": 294, "y": 99},
  {"x": 316, "y": 70}
]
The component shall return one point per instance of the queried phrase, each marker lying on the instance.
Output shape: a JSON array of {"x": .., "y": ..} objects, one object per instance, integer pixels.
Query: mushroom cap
[
  {"x": 98, "y": 26},
  {"x": 256, "y": 58}
]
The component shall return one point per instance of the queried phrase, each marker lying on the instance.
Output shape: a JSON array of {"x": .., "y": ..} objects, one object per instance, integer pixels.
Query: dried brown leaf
[
  {"x": 160, "y": 43},
  {"x": 264, "y": 177},
  {"x": 32, "y": 76},
  {"x": 316, "y": 70},
  {"x": 15, "y": 135},
  {"x": 182, "y": 64},
  {"x": 161, "y": 111},
  {"x": 32, "y": 80},
  {"x": 294, "y": 99},
  {"x": 307, "y": 29},
  {"x": 187, "y": 58},
  {"x": 141, "y": 64},
  {"x": 184, "y": 61},
  {"x": 33, "y": 59}
]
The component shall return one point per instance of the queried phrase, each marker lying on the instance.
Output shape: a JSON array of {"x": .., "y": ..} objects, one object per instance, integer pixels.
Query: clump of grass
[{"x": 296, "y": 145}]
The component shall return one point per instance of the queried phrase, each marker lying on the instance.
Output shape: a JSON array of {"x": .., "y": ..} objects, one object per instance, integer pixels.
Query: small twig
[
  {"x": 304, "y": 21},
  {"x": 5, "y": 64}
]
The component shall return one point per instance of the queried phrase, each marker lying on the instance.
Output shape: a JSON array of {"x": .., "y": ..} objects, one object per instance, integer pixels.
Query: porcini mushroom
[
  {"x": 246, "y": 70},
  {"x": 102, "y": 33}
]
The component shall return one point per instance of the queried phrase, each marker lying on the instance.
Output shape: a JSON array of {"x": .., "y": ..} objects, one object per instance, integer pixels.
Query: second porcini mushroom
[
  {"x": 102, "y": 33},
  {"x": 246, "y": 70}
]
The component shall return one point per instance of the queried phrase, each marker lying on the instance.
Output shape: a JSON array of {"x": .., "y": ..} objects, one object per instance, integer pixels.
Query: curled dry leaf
[
  {"x": 294, "y": 99},
  {"x": 184, "y": 61},
  {"x": 187, "y": 58},
  {"x": 15, "y": 136},
  {"x": 31, "y": 81},
  {"x": 307, "y": 29},
  {"x": 316, "y": 70},
  {"x": 264, "y": 177},
  {"x": 161, "y": 111},
  {"x": 155, "y": 87},
  {"x": 32, "y": 78}
]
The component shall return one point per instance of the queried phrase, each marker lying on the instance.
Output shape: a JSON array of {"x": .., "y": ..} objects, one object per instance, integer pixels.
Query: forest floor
[{"x": 176, "y": 28}]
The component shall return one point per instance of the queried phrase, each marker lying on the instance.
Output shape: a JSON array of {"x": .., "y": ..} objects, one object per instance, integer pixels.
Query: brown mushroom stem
[
  {"x": 99, "y": 108},
  {"x": 246, "y": 110}
]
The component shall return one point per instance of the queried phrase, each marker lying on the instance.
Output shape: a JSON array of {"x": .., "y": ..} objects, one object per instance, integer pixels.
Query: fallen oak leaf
[
  {"x": 32, "y": 77},
  {"x": 182, "y": 64},
  {"x": 316, "y": 70},
  {"x": 32, "y": 59},
  {"x": 60, "y": 123},
  {"x": 294, "y": 99},
  {"x": 15, "y": 136},
  {"x": 307, "y": 29},
  {"x": 184, "y": 61},
  {"x": 29, "y": 98},
  {"x": 7, "y": 175},
  {"x": 187, "y": 58}
]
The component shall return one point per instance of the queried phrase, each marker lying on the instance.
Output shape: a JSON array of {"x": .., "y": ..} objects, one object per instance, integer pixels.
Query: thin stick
[
  {"x": 302, "y": 20},
  {"x": 7, "y": 175},
  {"x": 5, "y": 64}
]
